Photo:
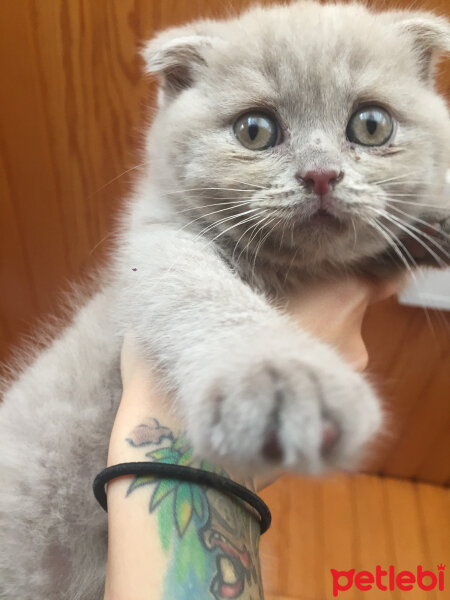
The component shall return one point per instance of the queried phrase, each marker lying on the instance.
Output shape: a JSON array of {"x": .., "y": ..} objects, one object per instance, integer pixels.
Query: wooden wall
[{"x": 73, "y": 105}]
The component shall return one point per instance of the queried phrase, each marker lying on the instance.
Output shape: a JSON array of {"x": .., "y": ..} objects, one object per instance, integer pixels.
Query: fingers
[
  {"x": 334, "y": 312},
  {"x": 355, "y": 352}
]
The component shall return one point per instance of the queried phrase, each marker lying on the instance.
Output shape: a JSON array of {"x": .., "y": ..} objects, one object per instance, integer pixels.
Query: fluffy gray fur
[{"x": 201, "y": 290}]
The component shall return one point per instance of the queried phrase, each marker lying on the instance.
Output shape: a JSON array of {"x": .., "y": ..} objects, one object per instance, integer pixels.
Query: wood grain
[
  {"x": 351, "y": 522},
  {"x": 73, "y": 107}
]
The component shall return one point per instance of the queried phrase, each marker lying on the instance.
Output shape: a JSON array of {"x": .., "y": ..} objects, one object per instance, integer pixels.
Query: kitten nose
[{"x": 320, "y": 181}]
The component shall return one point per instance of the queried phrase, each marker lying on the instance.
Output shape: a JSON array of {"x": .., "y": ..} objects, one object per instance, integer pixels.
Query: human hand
[{"x": 334, "y": 312}]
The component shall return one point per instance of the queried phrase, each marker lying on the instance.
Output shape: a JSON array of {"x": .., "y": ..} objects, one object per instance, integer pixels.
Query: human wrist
[{"x": 182, "y": 526}]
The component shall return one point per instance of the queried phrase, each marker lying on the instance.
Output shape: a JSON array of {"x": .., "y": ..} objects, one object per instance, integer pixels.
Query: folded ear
[
  {"x": 430, "y": 36},
  {"x": 176, "y": 56}
]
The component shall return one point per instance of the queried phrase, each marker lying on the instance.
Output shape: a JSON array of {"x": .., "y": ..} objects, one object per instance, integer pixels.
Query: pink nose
[{"x": 320, "y": 181}]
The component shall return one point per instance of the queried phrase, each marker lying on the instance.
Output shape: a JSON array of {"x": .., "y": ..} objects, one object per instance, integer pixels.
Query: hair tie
[{"x": 197, "y": 476}]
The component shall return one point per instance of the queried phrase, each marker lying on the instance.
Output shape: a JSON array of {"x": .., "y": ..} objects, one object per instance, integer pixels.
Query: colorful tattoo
[{"x": 212, "y": 538}]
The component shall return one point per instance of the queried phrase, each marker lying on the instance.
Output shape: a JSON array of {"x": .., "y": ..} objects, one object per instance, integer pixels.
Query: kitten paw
[{"x": 306, "y": 414}]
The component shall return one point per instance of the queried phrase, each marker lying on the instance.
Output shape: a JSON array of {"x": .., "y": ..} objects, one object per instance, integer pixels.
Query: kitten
[{"x": 292, "y": 142}]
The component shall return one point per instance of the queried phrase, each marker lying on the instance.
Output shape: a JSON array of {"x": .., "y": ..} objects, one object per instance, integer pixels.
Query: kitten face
[{"x": 306, "y": 69}]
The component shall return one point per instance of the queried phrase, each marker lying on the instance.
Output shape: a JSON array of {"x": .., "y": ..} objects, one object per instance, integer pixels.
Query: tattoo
[
  {"x": 149, "y": 432},
  {"x": 212, "y": 538}
]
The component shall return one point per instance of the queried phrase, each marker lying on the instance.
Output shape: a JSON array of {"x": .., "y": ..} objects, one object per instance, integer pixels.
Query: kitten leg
[
  {"x": 242, "y": 373},
  {"x": 55, "y": 423}
]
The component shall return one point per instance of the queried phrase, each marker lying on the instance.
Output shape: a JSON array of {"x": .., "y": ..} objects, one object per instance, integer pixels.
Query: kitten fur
[{"x": 202, "y": 291}]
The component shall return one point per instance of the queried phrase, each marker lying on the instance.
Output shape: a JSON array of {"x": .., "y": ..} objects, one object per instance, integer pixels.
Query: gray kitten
[{"x": 292, "y": 142}]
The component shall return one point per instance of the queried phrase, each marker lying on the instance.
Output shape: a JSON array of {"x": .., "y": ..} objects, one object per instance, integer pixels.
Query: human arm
[
  {"x": 138, "y": 565},
  {"x": 192, "y": 538}
]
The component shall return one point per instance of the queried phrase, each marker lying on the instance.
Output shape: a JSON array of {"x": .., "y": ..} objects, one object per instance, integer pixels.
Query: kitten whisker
[
  {"x": 199, "y": 235},
  {"x": 393, "y": 197},
  {"x": 354, "y": 233},
  {"x": 430, "y": 201},
  {"x": 294, "y": 256},
  {"x": 224, "y": 220},
  {"x": 254, "y": 234},
  {"x": 283, "y": 228},
  {"x": 395, "y": 194},
  {"x": 99, "y": 243},
  {"x": 419, "y": 204},
  {"x": 198, "y": 208},
  {"x": 200, "y": 217},
  {"x": 236, "y": 246},
  {"x": 248, "y": 183},
  {"x": 394, "y": 244},
  {"x": 262, "y": 242},
  {"x": 410, "y": 181},
  {"x": 391, "y": 178},
  {"x": 414, "y": 281},
  {"x": 205, "y": 189},
  {"x": 223, "y": 202},
  {"x": 116, "y": 178},
  {"x": 409, "y": 229},
  {"x": 414, "y": 194},
  {"x": 232, "y": 227},
  {"x": 416, "y": 219}
]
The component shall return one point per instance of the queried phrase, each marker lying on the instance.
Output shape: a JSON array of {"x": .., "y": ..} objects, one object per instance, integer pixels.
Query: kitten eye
[
  {"x": 370, "y": 126},
  {"x": 257, "y": 131}
]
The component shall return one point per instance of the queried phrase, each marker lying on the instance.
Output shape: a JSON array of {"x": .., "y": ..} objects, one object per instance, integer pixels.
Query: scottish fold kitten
[{"x": 291, "y": 142}]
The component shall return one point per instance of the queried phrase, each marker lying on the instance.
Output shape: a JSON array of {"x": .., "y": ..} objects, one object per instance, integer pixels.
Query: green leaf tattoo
[
  {"x": 165, "y": 455},
  {"x": 183, "y": 507},
  {"x": 199, "y": 503},
  {"x": 162, "y": 490},
  {"x": 140, "y": 481},
  {"x": 212, "y": 538},
  {"x": 186, "y": 499}
]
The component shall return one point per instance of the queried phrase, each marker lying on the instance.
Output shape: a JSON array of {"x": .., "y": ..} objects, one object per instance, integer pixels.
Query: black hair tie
[{"x": 169, "y": 471}]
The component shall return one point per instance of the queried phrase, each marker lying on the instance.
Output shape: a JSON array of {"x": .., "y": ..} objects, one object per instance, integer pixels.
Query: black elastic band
[{"x": 198, "y": 476}]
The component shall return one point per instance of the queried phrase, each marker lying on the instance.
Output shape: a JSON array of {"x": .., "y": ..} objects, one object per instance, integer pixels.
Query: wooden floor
[{"x": 352, "y": 522}]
